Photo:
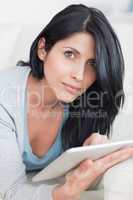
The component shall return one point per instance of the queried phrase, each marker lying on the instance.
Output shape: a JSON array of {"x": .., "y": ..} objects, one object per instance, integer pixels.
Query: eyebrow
[{"x": 76, "y": 51}]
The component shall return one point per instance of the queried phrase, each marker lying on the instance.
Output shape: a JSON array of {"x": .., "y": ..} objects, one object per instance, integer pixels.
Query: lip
[
  {"x": 71, "y": 89},
  {"x": 74, "y": 87}
]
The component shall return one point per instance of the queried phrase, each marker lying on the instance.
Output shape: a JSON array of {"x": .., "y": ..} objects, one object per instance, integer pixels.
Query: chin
[
  {"x": 66, "y": 97},
  {"x": 69, "y": 99}
]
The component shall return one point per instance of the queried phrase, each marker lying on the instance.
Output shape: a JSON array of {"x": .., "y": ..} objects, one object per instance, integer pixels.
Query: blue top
[{"x": 33, "y": 162}]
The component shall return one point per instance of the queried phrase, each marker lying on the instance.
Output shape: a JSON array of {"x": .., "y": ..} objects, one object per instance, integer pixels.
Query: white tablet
[{"x": 73, "y": 156}]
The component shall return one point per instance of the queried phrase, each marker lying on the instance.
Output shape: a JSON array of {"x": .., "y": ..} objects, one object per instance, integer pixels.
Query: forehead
[{"x": 83, "y": 42}]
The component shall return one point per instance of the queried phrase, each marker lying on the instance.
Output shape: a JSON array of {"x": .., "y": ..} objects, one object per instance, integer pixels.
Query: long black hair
[{"x": 96, "y": 109}]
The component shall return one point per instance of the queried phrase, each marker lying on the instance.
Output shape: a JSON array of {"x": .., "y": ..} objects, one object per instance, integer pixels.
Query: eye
[
  {"x": 92, "y": 63},
  {"x": 69, "y": 54}
]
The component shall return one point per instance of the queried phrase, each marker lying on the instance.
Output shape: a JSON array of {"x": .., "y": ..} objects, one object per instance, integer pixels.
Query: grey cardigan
[{"x": 14, "y": 182}]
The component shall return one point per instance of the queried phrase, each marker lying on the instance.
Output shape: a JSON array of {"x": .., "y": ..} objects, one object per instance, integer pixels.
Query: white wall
[
  {"x": 28, "y": 10},
  {"x": 36, "y": 10}
]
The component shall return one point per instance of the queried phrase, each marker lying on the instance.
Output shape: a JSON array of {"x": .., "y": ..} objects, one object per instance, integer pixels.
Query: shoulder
[
  {"x": 13, "y": 76},
  {"x": 12, "y": 86}
]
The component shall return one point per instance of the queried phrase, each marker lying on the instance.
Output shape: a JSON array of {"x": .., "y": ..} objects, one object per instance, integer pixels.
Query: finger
[
  {"x": 86, "y": 174},
  {"x": 99, "y": 139},
  {"x": 73, "y": 178},
  {"x": 101, "y": 165},
  {"x": 96, "y": 138},
  {"x": 104, "y": 139},
  {"x": 81, "y": 177},
  {"x": 89, "y": 139},
  {"x": 84, "y": 166},
  {"x": 80, "y": 170},
  {"x": 88, "y": 170},
  {"x": 114, "y": 158}
]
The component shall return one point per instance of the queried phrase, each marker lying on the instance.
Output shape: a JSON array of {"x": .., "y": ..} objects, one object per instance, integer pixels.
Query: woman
[{"x": 72, "y": 81}]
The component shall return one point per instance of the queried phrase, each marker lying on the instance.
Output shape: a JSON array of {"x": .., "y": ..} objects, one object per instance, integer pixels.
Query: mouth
[{"x": 71, "y": 89}]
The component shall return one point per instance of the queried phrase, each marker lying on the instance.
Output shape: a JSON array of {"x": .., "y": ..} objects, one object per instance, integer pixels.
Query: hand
[
  {"x": 81, "y": 178},
  {"x": 96, "y": 138},
  {"x": 60, "y": 192}
]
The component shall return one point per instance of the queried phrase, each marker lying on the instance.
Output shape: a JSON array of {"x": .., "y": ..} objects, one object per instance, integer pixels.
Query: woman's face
[{"x": 69, "y": 63}]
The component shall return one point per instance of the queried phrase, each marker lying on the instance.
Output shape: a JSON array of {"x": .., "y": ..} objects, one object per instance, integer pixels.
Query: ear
[{"x": 41, "y": 49}]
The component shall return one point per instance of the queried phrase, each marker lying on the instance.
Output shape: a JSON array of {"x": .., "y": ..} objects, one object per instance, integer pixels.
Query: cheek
[
  {"x": 60, "y": 67},
  {"x": 55, "y": 69}
]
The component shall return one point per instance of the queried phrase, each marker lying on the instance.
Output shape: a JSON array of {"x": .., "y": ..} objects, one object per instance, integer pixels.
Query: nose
[{"x": 79, "y": 74}]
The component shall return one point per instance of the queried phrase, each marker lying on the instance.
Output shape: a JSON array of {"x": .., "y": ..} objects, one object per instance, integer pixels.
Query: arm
[
  {"x": 14, "y": 184},
  {"x": 13, "y": 180}
]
